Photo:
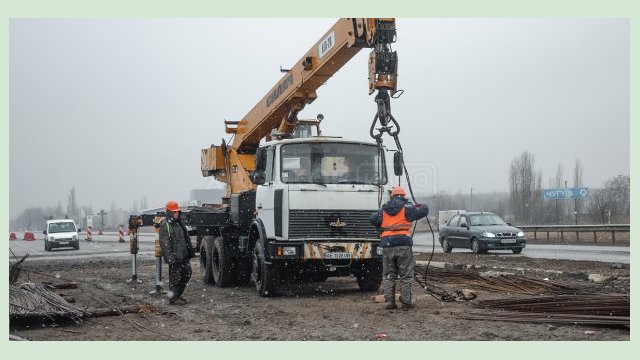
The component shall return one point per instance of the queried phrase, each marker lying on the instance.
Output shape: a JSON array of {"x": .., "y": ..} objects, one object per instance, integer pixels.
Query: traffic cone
[
  {"x": 29, "y": 236},
  {"x": 12, "y": 236},
  {"x": 121, "y": 234}
]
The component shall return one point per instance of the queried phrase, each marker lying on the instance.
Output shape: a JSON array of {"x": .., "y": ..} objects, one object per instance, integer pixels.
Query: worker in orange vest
[{"x": 394, "y": 220}]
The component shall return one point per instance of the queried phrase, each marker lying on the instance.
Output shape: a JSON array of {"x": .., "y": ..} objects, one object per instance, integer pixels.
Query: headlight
[
  {"x": 379, "y": 251},
  {"x": 51, "y": 238},
  {"x": 288, "y": 251},
  {"x": 488, "y": 235},
  {"x": 520, "y": 234},
  {"x": 75, "y": 237}
]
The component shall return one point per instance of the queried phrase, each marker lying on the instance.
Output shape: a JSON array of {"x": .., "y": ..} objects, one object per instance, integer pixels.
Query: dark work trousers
[
  {"x": 179, "y": 275},
  {"x": 397, "y": 263}
]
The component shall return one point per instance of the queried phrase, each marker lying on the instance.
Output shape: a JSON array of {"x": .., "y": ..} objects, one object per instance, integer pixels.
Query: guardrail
[{"x": 612, "y": 228}]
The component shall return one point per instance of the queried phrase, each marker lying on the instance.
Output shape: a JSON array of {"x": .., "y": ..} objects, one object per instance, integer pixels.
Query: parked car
[
  {"x": 61, "y": 233},
  {"x": 480, "y": 232}
]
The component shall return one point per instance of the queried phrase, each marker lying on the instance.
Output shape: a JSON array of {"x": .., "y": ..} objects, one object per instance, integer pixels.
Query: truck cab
[{"x": 314, "y": 199}]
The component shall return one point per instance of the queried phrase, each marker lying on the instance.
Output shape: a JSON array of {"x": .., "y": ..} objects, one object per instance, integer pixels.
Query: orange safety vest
[{"x": 395, "y": 224}]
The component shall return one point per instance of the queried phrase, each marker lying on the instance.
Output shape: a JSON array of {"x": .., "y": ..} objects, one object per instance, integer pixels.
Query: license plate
[
  {"x": 337, "y": 255},
  {"x": 508, "y": 241},
  {"x": 63, "y": 242}
]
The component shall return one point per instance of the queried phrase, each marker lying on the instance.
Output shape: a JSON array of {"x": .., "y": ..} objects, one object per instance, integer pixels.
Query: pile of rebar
[
  {"x": 30, "y": 301},
  {"x": 594, "y": 309},
  {"x": 509, "y": 284}
]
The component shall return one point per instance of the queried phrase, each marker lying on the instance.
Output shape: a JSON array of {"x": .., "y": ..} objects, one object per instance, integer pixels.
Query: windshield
[
  {"x": 61, "y": 227},
  {"x": 486, "y": 219},
  {"x": 332, "y": 163}
]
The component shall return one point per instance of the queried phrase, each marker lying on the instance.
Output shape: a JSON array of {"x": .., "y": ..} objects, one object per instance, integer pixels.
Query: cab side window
[
  {"x": 269, "y": 170},
  {"x": 463, "y": 221},
  {"x": 454, "y": 220}
]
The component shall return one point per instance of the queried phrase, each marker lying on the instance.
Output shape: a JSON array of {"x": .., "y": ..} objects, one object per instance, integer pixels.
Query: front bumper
[
  {"x": 63, "y": 243},
  {"x": 324, "y": 249},
  {"x": 499, "y": 244}
]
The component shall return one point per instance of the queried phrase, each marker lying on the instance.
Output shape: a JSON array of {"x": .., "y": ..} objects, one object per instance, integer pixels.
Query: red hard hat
[
  {"x": 397, "y": 190},
  {"x": 172, "y": 205}
]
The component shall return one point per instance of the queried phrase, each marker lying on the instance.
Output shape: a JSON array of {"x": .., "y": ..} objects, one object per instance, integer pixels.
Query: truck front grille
[{"x": 331, "y": 224}]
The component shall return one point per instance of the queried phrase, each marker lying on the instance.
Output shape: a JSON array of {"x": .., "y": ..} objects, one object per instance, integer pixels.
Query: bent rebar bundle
[
  {"x": 515, "y": 284},
  {"x": 31, "y": 301},
  {"x": 593, "y": 309}
]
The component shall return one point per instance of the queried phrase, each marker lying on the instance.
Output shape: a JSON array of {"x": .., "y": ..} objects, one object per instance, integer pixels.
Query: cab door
[{"x": 265, "y": 195}]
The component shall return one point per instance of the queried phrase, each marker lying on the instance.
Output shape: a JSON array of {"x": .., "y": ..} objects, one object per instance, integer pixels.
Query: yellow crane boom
[{"x": 276, "y": 113}]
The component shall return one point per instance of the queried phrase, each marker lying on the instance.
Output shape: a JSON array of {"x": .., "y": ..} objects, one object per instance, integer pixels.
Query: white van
[{"x": 61, "y": 233}]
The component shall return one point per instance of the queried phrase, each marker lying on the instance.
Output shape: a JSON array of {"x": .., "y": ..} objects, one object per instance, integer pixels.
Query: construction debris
[
  {"x": 61, "y": 285},
  {"x": 593, "y": 309},
  {"x": 14, "y": 270},
  {"x": 133, "y": 309}
]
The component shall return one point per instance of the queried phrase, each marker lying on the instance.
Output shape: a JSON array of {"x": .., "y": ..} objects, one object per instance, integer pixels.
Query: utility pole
[
  {"x": 102, "y": 213},
  {"x": 471, "y": 205}
]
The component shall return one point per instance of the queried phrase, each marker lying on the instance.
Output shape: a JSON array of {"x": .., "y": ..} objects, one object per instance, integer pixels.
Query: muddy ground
[{"x": 331, "y": 310}]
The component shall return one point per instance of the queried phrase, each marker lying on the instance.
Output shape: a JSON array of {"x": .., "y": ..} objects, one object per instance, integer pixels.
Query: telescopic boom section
[{"x": 277, "y": 111}]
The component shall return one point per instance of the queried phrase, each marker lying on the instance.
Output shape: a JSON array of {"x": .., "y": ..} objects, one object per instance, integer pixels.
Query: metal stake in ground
[
  {"x": 133, "y": 234},
  {"x": 158, "y": 254}
]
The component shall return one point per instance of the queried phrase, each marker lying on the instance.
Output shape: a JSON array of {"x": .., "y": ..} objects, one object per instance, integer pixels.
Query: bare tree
[
  {"x": 577, "y": 182},
  {"x": 599, "y": 205},
  {"x": 618, "y": 189},
  {"x": 558, "y": 182},
  {"x": 525, "y": 188},
  {"x": 72, "y": 205},
  {"x": 143, "y": 203}
]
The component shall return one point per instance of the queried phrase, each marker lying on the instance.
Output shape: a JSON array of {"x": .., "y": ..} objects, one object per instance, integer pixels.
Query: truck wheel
[
  {"x": 221, "y": 264},
  {"x": 206, "y": 250},
  {"x": 46, "y": 246},
  {"x": 475, "y": 247},
  {"x": 369, "y": 276},
  {"x": 264, "y": 275},
  {"x": 445, "y": 245},
  {"x": 76, "y": 245}
]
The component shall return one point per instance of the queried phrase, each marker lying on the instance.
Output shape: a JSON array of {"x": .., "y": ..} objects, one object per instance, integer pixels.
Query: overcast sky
[{"x": 121, "y": 108}]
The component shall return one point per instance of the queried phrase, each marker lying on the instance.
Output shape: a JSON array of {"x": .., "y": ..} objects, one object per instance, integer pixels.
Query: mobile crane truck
[{"x": 297, "y": 207}]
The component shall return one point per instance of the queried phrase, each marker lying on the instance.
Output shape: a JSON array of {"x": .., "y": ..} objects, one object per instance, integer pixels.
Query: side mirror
[
  {"x": 258, "y": 177},
  {"x": 397, "y": 163},
  {"x": 464, "y": 225},
  {"x": 509, "y": 223},
  {"x": 261, "y": 160},
  {"x": 45, "y": 232},
  {"x": 78, "y": 230}
]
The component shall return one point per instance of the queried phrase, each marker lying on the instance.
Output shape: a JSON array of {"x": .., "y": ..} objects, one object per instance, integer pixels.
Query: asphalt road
[
  {"x": 615, "y": 254},
  {"x": 107, "y": 245}
]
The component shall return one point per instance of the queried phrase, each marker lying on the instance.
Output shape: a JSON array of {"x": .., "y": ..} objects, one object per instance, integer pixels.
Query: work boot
[
  {"x": 391, "y": 306},
  {"x": 177, "y": 301},
  {"x": 407, "y": 306}
]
